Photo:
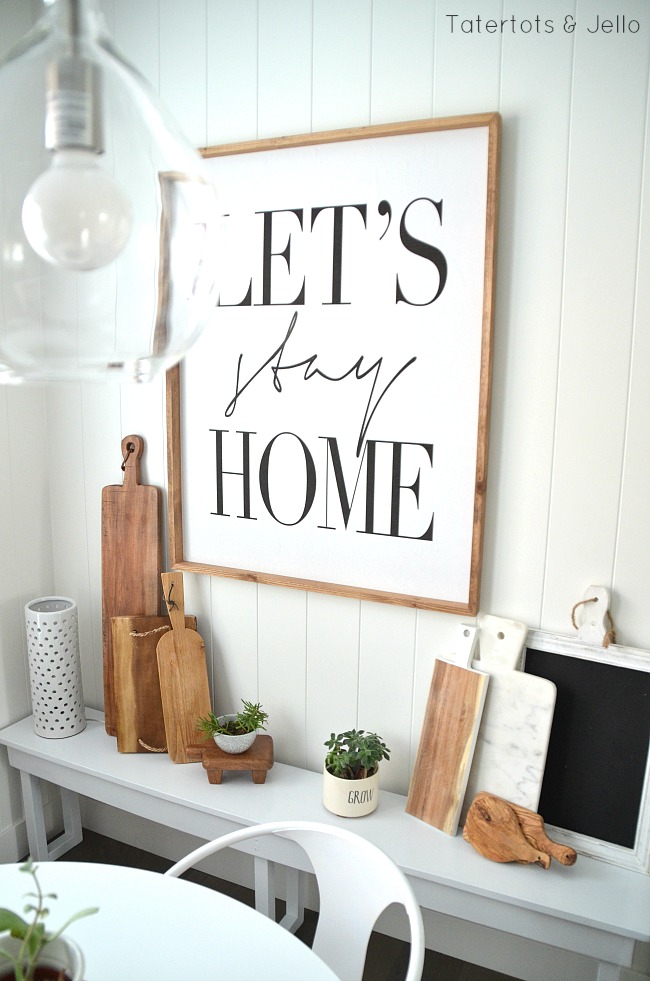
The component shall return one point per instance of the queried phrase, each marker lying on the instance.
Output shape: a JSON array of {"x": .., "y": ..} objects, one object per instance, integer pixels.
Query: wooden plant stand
[{"x": 258, "y": 759}]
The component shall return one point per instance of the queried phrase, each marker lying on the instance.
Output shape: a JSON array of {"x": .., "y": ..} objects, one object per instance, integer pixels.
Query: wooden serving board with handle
[
  {"x": 139, "y": 716},
  {"x": 131, "y": 557},
  {"x": 183, "y": 674},
  {"x": 448, "y": 737},
  {"x": 504, "y": 832}
]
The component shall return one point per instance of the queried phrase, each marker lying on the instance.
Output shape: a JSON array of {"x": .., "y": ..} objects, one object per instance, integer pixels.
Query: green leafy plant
[
  {"x": 32, "y": 933},
  {"x": 355, "y": 754},
  {"x": 252, "y": 718}
]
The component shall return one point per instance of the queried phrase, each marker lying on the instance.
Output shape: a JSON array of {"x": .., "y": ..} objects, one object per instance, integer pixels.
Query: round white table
[{"x": 150, "y": 926}]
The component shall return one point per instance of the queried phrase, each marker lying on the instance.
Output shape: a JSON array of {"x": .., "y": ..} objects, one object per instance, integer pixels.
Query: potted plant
[
  {"x": 28, "y": 952},
  {"x": 235, "y": 733},
  {"x": 351, "y": 772}
]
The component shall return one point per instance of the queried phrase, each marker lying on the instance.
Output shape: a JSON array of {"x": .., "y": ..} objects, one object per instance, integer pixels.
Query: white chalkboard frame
[
  {"x": 634, "y": 659},
  {"x": 186, "y": 470}
]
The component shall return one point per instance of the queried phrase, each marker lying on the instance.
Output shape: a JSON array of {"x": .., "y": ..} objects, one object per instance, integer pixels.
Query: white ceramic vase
[
  {"x": 62, "y": 954},
  {"x": 350, "y": 798},
  {"x": 55, "y": 667},
  {"x": 233, "y": 744}
]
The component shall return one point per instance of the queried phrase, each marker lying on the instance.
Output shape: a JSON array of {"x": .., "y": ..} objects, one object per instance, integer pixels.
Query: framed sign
[
  {"x": 596, "y": 790},
  {"x": 329, "y": 430}
]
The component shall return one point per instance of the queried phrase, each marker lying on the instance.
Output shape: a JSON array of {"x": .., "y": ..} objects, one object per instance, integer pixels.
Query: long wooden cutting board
[
  {"x": 138, "y": 705},
  {"x": 448, "y": 737},
  {"x": 183, "y": 674},
  {"x": 131, "y": 557}
]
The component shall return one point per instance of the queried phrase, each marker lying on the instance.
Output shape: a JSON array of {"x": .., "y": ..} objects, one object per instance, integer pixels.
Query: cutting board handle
[
  {"x": 174, "y": 598},
  {"x": 465, "y": 646},
  {"x": 132, "y": 447}
]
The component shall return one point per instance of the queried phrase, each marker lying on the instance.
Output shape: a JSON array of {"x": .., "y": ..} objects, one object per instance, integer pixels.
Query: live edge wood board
[{"x": 329, "y": 429}]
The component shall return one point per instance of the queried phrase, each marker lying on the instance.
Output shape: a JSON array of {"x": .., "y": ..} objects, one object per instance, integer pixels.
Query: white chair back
[{"x": 356, "y": 882}]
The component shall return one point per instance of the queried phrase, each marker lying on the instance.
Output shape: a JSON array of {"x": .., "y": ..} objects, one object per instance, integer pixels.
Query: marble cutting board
[{"x": 510, "y": 753}]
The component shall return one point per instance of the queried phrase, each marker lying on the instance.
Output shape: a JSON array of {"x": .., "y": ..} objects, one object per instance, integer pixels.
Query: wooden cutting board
[
  {"x": 448, "y": 737},
  {"x": 138, "y": 705},
  {"x": 504, "y": 832},
  {"x": 131, "y": 557},
  {"x": 183, "y": 675}
]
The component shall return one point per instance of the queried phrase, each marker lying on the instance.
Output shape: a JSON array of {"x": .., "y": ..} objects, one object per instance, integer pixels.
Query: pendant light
[{"x": 108, "y": 220}]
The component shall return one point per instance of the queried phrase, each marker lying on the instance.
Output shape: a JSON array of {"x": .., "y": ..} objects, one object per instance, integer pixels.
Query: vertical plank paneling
[
  {"x": 135, "y": 30},
  {"x": 101, "y": 465},
  {"x": 341, "y": 64},
  {"x": 142, "y": 411},
  {"x": 467, "y": 66},
  {"x": 69, "y": 505},
  {"x": 25, "y": 542},
  {"x": 183, "y": 65},
  {"x": 24, "y": 528},
  {"x": 27, "y": 461},
  {"x": 233, "y": 642},
  {"x": 386, "y": 656},
  {"x": 27, "y": 559},
  {"x": 14, "y": 688},
  {"x": 282, "y": 626},
  {"x": 529, "y": 298},
  {"x": 604, "y": 188},
  {"x": 231, "y": 43},
  {"x": 632, "y": 566},
  {"x": 402, "y": 62},
  {"x": 332, "y": 689},
  {"x": 285, "y": 67}
]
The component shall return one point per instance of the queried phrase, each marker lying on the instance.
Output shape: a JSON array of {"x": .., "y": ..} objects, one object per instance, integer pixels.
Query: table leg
[
  {"x": 609, "y": 972},
  {"x": 265, "y": 894},
  {"x": 264, "y": 887},
  {"x": 72, "y": 835},
  {"x": 34, "y": 816},
  {"x": 295, "y": 915}
]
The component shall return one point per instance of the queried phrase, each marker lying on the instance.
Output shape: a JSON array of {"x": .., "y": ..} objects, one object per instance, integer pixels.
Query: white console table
[{"x": 592, "y": 909}]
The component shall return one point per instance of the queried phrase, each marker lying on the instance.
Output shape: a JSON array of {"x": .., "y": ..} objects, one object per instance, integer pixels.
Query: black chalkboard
[{"x": 598, "y": 750}]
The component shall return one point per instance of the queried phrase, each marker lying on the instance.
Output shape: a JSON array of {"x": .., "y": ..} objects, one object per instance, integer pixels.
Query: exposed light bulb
[
  {"x": 108, "y": 218},
  {"x": 75, "y": 215}
]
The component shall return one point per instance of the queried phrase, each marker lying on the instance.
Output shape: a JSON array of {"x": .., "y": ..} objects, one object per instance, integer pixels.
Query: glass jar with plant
[
  {"x": 354, "y": 756},
  {"x": 237, "y": 732},
  {"x": 28, "y": 952}
]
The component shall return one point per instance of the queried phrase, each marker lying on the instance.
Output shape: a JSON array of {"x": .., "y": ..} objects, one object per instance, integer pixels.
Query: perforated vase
[{"x": 55, "y": 667}]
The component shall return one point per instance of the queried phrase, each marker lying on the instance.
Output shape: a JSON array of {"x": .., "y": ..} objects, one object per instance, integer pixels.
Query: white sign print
[{"x": 332, "y": 420}]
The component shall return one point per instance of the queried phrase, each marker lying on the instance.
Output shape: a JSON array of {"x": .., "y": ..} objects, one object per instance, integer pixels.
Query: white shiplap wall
[{"x": 569, "y": 475}]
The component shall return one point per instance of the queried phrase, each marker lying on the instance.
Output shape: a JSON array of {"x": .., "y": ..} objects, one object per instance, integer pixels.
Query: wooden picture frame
[
  {"x": 329, "y": 430},
  {"x": 596, "y": 789}
]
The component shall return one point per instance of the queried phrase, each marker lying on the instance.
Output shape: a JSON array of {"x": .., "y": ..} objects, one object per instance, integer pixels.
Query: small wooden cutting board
[
  {"x": 183, "y": 674},
  {"x": 451, "y": 722},
  {"x": 131, "y": 557}
]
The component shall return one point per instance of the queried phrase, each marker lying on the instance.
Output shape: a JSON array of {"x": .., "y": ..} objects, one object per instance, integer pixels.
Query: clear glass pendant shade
[{"x": 108, "y": 221}]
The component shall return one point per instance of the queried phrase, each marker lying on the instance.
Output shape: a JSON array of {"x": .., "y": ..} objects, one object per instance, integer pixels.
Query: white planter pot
[
  {"x": 61, "y": 954},
  {"x": 234, "y": 744},
  {"x": 350, "y": 798}
]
